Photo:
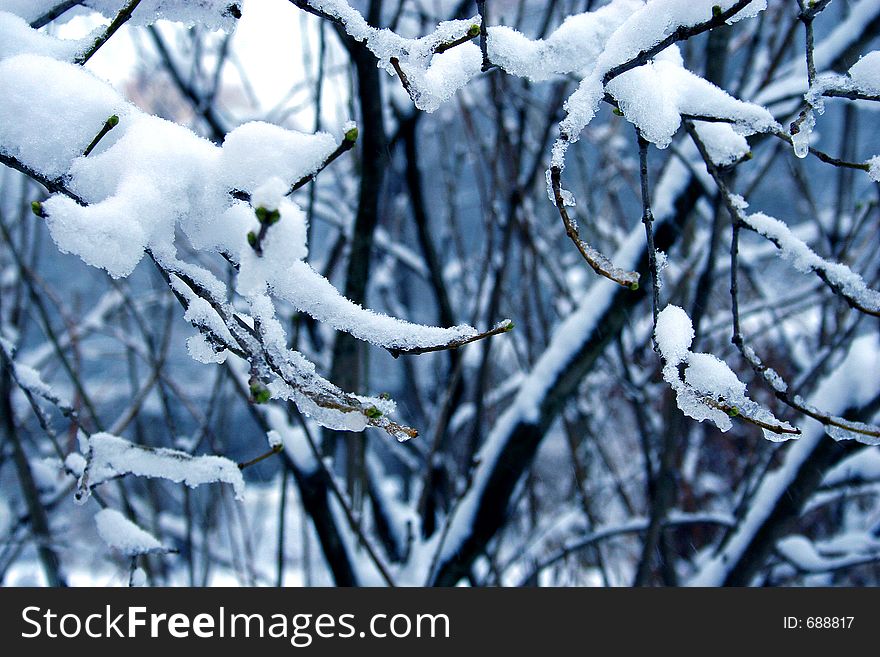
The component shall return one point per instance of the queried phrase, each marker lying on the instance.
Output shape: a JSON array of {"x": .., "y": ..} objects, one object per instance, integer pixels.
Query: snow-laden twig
[
  {"x": 109, "y": 456},
  {"x": 708, "y": 389},
  {"x": 600, "y": 263}
]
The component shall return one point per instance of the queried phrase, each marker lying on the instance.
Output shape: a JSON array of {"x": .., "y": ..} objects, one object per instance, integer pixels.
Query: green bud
[
  {"x": 510, "y": 326},
  {"x": 716, "y": 11},
  {"x": 259, "y": 393},
  {"x": 261, "y": 213},
  {"x": 385, "y": 395},
  {"x": 113, "y": 121},
  {"x": 37, "y": 209},
  {"x": 252, "y": 238},
  {"x": 273, "y": 217},
  {"x": 616, "y": 111},
  {"x": 634, "y": 286},
  {"x": 351, "y": 135},
  {"x": 733, "y": 412},
  {"x": 473, "y": 30},
  {"x": 372, "y": 412},
  {"x": 748, "y": 156}
]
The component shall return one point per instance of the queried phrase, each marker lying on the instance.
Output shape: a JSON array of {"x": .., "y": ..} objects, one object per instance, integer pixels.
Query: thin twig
[
  {"x": 600, "y": 263},
  {"x": 503, "y": 327},
  {"x": 109, "y": 124},
  {"x": 648, "y": 220},
  {"x": 484, "y": 35},
  {"x": 121, "y": 18}
]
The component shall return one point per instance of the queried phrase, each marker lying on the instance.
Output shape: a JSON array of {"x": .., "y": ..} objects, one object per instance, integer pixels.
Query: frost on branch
[
  {"x": 862, "y": 82},
  {"x": 109, "y": 456},
  {"x": 708, "y": 388}
]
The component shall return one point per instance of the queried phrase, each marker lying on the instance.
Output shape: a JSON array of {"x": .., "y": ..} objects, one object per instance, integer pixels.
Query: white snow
[
  {"x": 18, "y": 38},
  {"x": 865, "y": 73},
  {"x": 55, "y": 112},
  {"x": 120, "y": 533},
  {"x": 804, "y": 259},
  {"x": 212, "y": 14},
  {"x": 110, "y": 456},
  {"x": 274, "y": 438},
  {"x": 654, "y": 96},
  {"x": 572, "y": 47},
  {"x": 708, "y": 381},
  {"x": 874, "y": 168},
  {"x": 674, "y": 334},
  {"x": 852, "y": 383}
]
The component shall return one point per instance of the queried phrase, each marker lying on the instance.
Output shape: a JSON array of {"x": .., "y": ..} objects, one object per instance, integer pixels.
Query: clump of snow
[
  {"x": 432, "y": 77},
  {"x": 865, "y": 73},
  {"x": 434, "y": 84},
  {"x": 212, "y": 14},
  {"x": 270, "y": 194},
  {"x": 120, "y": 533},
  {"x": 723, "y": 143},
  {"x": 149, "y": 176},
  {"x": 655, "y": 108},
  {"x": 274, "y": 438},
  {"x": 19, "y": 38},
  {"x": 654, "y": 96},
  {"x": 572, "y": 47},
  {"x": 257, "y": 151},
  {"x": 51, "y": 111},
  {"x": 674, "y": 334},
  {"x": 110, "y": 456},
  {"x": 75, "y": 463},
  {"x": 710, "y": 374},
  {"x": 874, "y": 168},
  {"x": 203, "y": 352},
  {"x": 710, "y": 390}
]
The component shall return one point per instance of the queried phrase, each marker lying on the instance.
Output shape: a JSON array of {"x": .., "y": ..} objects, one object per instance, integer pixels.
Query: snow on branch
[
  {"x": 431, "y": 69},
  {"x": 851, "y": 385},
  {"x": 836, "y": 275},
  {"x": 120, "y": 533},
  {"x": 643, "y": 35},
  {"x": 599, "y": 262},
  {"x": 29, "y": 380},
  {"x": 108, "y": 457},
  {"x": 705, "y": 386},
  {"x": 126, "y": 183},
  {"x": 837, "y": 427},
  {"x": 862, "y": 82}
]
